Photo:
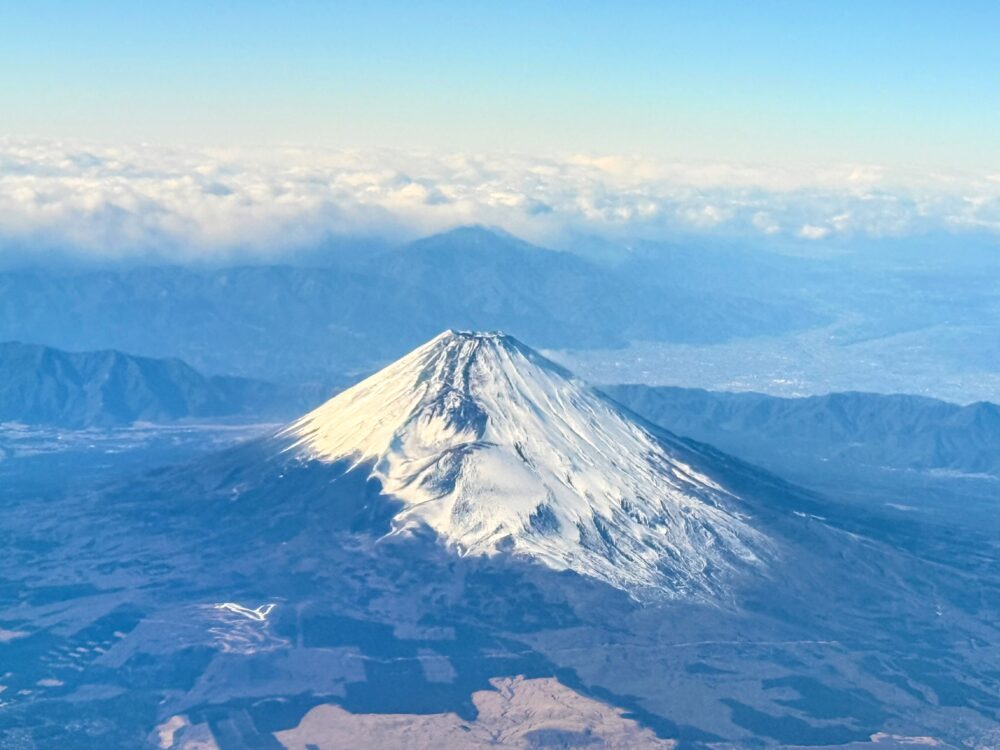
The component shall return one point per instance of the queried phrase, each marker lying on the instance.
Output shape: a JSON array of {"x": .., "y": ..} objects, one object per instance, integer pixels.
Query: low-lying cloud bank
[{"x": 197, "y": 203}]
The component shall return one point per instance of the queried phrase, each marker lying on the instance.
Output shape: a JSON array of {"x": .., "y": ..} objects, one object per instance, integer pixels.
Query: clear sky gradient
[{"x": 906, "y": 83}]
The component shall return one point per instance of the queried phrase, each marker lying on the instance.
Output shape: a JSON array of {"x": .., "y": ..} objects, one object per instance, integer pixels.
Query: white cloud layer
[{"x": 187, "y": 203}]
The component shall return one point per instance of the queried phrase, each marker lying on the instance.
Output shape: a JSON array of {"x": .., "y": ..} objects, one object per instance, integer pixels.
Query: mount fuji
[{"x": 499, "y": 451}]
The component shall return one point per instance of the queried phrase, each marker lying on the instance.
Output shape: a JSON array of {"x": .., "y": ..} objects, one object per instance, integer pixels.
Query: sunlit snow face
[{"x": 494, "y": 447}]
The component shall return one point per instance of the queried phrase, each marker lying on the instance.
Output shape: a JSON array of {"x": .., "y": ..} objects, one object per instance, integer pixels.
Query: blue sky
[{"x": 912, "y": 84}]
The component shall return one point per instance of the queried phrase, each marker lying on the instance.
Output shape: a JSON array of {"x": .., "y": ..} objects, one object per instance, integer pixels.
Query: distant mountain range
[
  {"x": 354, "y": 314},
  {"x": 41, "y": 385},
  {"x": 792, "y": 436},
  {"x": 859, "y": 430}
]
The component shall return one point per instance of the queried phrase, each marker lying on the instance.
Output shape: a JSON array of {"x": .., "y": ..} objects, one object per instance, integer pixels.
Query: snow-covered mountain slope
[{"x": 499, "y": 450}]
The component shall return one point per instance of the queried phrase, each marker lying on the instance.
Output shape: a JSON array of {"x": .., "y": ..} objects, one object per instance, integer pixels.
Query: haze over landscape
[{"x": 448, "y": 375}]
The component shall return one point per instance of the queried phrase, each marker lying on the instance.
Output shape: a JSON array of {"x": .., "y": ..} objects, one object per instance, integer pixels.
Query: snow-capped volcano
[{"x": 497, "y": 449}]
